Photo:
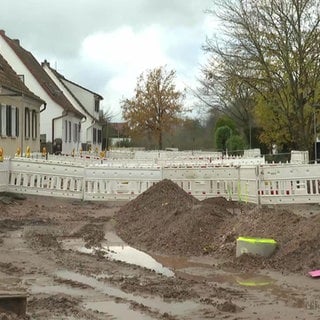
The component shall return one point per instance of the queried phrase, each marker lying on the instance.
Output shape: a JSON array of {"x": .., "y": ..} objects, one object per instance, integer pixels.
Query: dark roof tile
[{"x": 11, "y": 81}]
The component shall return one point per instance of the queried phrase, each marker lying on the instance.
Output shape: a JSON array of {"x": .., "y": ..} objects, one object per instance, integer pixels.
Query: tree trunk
[{"x": 160, "y": 140}]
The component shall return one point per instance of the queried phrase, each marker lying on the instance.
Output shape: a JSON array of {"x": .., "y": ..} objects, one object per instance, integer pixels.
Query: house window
[
  {"x": 94, "y": 135},
  {"x": 21, "y": 76},
  {"x": 27, "y": 123},
  {"x": 17, "y": 122},
  {"x": 34, "y": 123},
  {"x": 8, "y": 121},
  {"x": 13, "y": 121},
  {"x": 69, "y": 131},
  {"x": 75, "y": 132},
  {"x": 66, "y": 131},
  {"x": 96, "y": 105},
  {"x": 2, "y": 120},
  {"x": 99, "y": 136}
]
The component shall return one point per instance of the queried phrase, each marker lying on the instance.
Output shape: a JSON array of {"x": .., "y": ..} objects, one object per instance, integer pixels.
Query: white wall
[
  {"x": 87, "y": 100},
  {"x": 84, "y": 96},
  {"x": 53, "y": 110}
]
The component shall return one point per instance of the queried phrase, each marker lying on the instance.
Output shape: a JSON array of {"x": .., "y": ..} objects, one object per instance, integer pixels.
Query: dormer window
[
  {"x": 21, "y": 76},
  {"x": 96, "y": 105}
]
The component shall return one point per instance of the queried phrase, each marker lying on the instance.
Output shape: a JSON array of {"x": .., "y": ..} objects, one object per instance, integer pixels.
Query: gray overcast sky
[{"x": 105, "y": 44}]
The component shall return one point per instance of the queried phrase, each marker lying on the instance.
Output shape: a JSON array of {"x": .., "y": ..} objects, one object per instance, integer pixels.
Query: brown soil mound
[
  {"x": 297, "y": 238},
  {"x": 166, "y": 219}
]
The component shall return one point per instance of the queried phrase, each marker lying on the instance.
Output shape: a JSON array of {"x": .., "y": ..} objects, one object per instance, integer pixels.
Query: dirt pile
[
  {"x": 7, "y": 315},
  {"x": 297, "y": 238},
  {"x": 166, "y": 219}
]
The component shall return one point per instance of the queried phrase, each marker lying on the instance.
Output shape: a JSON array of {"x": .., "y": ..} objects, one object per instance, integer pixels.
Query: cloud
[
  {"x": 125, "y": 53},
  {"x": 124, "y": 49},
  {"x": 105, "y": 44},
  {"x": 59, "y": 26}
]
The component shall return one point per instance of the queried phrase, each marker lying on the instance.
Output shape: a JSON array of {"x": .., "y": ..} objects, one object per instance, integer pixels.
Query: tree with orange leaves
[{"x": 156, "y": 106}]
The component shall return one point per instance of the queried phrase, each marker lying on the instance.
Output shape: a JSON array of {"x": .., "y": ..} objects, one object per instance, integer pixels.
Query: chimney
[
  {"x": 45, "y": 62},
  {"x": 16, "y": 41},
  {"x": 2, "y": 32}
]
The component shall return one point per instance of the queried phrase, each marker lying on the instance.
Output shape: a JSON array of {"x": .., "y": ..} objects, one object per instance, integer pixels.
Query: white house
[
  {"x": 86, "y": 102},
  {"x": 19, "y": 113},
  {"x": 60, "y": 122}
]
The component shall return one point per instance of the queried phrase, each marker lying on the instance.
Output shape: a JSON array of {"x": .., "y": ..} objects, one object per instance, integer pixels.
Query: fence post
[
  {"x": 258, "y": 182},
  {"x": 83, "y": 181}
]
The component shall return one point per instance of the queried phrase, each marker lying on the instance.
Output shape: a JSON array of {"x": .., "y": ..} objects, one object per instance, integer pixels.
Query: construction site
[{"x": 165, "y": 253}]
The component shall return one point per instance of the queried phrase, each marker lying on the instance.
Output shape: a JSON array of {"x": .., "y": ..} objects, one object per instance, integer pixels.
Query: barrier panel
[
  {"x": 112, "y": 183},
  {"x": 38, "y": 176},
  {"x": 289, "y": 184},
  {"x": 4, "y": 174},
  {"x": 260, "y": 184},
  {"x": 248, "y": 184},
  {"x": 205, "y": 181}
]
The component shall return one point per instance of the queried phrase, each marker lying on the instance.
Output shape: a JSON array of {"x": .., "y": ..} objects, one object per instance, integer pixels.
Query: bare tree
[{"x": 271, "y": 50}]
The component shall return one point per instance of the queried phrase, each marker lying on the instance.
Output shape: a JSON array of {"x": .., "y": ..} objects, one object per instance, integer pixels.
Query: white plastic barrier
[
  {"x": 4, "y": 174},
  {"x": 248, "y": 184},
  {"x": 289, "y": 184},
  {"x": 205, "y": 181},
  {"x": 84, "y": 159},
  {"x": 109, "y": 183},
  {"x": 38, "y": 176},
  {"x": 299, "y": 157},
  {"x": 262, "y": 184}
]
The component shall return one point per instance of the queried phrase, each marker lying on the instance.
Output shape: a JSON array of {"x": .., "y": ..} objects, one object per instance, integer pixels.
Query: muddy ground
[{"x": 61, "y": 253}]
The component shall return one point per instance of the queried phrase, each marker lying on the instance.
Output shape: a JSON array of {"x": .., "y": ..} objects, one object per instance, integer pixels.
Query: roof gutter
[
  {"x": 64, "y": 114},
  {"x": 92, "y": 124},
  {"x": 44, "y": 107}
]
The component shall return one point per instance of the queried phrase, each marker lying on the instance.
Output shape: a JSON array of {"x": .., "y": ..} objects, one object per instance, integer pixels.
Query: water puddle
[
  {"x": 55, "y": 289},
  {"x": 253, "y": 280},
  {"x": 122, "y": 253},
  {"x": 133, "y": 256},
  {"x": 94, "y": 301},
  {"x": 154, "y": 303},
  {"x": 202, "y": 269},
  {"x": 192, "y": 268},
  {"x": 120, "y": 311}
]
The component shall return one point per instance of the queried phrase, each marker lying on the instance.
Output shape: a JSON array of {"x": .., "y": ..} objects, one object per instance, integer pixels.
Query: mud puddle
[
  {"x": 254, "y": 286},
  {"x": 200, "y": 268},
  {"x": 120, "y": 311},
  {"x": 203, "y": 268},
  {"x": 92, "y": 292},
  {"x": 154, "y": 304},
  {"x": 120, "y": 252}
]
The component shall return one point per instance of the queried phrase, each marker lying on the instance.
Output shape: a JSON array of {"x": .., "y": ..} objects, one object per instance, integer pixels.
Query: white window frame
[
  {"x": 94, "y": 135},
  {"x": 3, "y": 120},
  {"x": 65, "y": 130},
  {"x": 13, "y": 122},
  {"x": 17, "y": 125},
  {"x": 27, "y": 123},
  {"x": 34, "y": 124},
  {"x": 75, "y": 132}
]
